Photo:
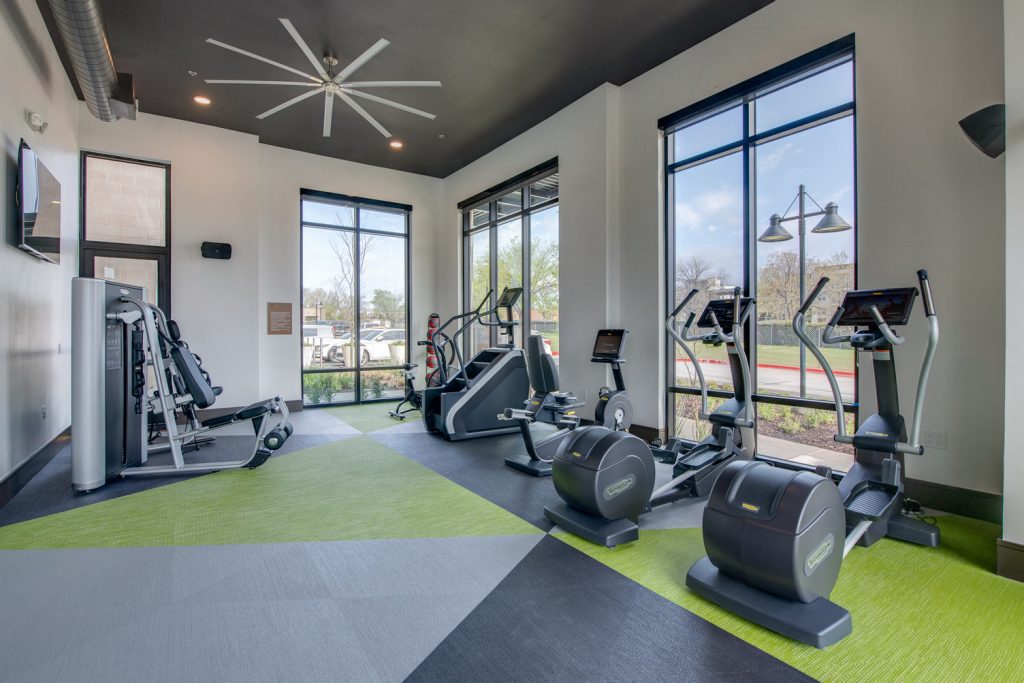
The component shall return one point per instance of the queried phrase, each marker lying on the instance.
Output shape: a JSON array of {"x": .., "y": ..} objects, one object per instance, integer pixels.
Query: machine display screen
[
  {"x": 895, "y": 306},
  {"x": 722, "y": 308},
  {"x": 609, "y": 343},
  {"x": 509, "y": 297}
]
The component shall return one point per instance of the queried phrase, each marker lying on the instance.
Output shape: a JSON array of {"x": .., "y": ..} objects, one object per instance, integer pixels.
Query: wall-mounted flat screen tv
[{"x": 39, "y": 200}]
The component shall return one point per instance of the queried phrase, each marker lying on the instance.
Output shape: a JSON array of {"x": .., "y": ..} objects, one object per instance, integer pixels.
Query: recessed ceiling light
[
  {"x": 396, "y": 144},
  {"x": 202, "y": 99}
]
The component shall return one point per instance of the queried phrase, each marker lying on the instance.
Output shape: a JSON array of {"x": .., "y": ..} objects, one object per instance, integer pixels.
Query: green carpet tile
[
  {"x": 919, "y": 614},
  {"x": 353, "y": 489},
  {"x": 369, "y": 417}
]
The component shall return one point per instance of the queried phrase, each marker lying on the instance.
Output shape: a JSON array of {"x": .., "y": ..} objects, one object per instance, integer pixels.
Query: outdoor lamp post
[{"x": 830, "y": 221}]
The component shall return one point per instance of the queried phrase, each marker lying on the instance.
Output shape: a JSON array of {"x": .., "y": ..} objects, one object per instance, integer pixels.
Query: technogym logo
[
  {"x": 819, "y": 555},
  {"x": 620, "y": 487}
]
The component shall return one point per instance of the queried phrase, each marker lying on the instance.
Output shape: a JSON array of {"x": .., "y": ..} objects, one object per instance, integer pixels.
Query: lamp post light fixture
[{"x": 830, "y": 221}]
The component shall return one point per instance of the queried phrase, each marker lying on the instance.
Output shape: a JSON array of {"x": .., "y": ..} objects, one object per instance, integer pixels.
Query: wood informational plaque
[{"x": 279, "y": 318}]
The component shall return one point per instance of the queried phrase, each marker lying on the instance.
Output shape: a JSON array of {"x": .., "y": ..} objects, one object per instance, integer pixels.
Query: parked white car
[{"x": 375, "y": 345}]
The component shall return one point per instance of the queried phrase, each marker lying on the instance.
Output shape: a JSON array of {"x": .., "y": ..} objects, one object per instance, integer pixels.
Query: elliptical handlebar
[
  {"x": 681, "y": 338},
  {"x": 801, "y": 333},
  {"x": 926, "y": 362},
  {"x": 738, "y": 321}
]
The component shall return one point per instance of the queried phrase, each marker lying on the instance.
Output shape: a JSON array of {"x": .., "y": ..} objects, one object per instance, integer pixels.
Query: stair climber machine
[
  {"x": 606, "y": 477},
  {"x": 775, "y": 537},
  {"x": 466, "y": 405},
  {"x": 129, "y": 367}
]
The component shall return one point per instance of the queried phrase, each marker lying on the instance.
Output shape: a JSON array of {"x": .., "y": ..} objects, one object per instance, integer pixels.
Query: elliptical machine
[
  {"x": 776, "y": 538},
  {"x": 605, "y": 478}
]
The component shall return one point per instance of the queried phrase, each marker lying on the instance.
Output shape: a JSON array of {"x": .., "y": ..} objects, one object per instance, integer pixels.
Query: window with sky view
[{"x": 730, "y": 167}]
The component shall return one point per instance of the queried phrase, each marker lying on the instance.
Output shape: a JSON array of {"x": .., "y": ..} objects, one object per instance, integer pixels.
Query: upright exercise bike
[
  {"x": 605, "y": 478},
  {"x": 775, "y": 537}
]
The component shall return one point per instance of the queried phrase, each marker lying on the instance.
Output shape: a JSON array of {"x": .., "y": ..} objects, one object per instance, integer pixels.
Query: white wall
[
  {"x": 227, "y": 187},
  {"x": 1013, "y": 455},
  {"x": 584, "y": 138},
  {"x": 214, "y": 196},
  {"x": 926, "y": 197},
  {"x": 35, "y": 312},
  {"x": 283, "y": 172}
]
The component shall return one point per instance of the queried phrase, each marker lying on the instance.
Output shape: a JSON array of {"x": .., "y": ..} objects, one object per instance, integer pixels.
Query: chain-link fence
[{"x": 782, "y": 334}]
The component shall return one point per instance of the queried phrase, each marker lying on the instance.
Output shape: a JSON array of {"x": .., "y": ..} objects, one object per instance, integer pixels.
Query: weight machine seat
[
  {"x": 250, "y": 412},
  {"x": 203, "y": 394},
  {"x": 541, "y": 366}
]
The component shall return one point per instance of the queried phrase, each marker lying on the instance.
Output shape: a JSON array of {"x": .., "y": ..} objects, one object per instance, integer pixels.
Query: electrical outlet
[
  {"x": 933, "y": 439},
  {"x": 43, "y": 411}
]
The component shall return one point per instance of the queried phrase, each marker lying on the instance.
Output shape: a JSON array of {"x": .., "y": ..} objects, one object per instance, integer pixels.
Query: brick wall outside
[{"x": 125, "y": 202}]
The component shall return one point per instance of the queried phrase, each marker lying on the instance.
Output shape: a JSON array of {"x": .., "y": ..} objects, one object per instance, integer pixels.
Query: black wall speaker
[
  {"x": 216, "y": 250},
  {"x": 986, "y": 128}
]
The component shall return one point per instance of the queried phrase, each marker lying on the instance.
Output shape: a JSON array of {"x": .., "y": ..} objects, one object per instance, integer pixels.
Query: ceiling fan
[{"x": 331, "y": 85}]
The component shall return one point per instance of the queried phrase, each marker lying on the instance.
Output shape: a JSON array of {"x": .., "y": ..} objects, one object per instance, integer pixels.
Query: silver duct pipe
[{"x": 81, "y": 26}]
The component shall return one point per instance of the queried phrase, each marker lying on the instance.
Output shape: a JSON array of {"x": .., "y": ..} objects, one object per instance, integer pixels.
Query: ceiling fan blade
[
  {"x": 253, "y": 55},
  {"x": 394, "y": 84},
  {"x": 362, "y": 112},
  {"x": 287, "y": 104},
  {"x": 362, "y": 59},
  {"x": 328, "y": 111},
  {"x": 396, "y": 105},
  {"x": 306, "y": 84},
  {"x": 317, "y": 64}
]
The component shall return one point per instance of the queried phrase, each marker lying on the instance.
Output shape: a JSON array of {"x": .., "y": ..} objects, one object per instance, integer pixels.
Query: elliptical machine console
[{"x": 776, "y": 538}]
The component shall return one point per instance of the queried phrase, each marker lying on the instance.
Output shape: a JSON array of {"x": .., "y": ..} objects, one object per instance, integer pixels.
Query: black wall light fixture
[{"x": 986, "y": 128}]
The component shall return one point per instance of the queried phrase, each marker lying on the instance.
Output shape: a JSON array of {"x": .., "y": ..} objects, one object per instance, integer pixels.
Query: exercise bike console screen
[
  {"x": 509, "y": 297},
  {"x": 609, "y": 343},
  {"x": 895, "y": 306},
  {"x": 722, "y": 308}
]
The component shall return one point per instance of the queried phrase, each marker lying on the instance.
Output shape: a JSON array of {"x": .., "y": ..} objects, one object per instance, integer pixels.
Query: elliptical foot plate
[
  {"x": 819, "y": 623},
  {"x": 535, "y": 468},
  {"x": 609, "y": 533}
]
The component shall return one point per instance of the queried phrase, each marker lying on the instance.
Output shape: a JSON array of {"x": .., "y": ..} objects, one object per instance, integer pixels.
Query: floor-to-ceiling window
[
  {"x": 511, "y": 240},
  {"x": 761, "y": 194},
  {"x": 355, "y": 298}
]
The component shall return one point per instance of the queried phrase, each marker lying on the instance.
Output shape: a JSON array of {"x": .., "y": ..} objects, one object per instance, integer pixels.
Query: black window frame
[
  {"x": 489, "y": 198},
  {"x": 744, "y": 94},
  {"x": 88, "y": 250},
  {"x": 357, "y": 203}
]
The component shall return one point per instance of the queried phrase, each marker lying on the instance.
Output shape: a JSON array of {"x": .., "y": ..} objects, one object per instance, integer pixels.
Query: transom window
[{"x": 749, "y": 175}]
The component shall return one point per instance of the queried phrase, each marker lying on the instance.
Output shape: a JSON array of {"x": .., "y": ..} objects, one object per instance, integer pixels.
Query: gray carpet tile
[
  {"x": 346, "y": 610},
  {"x": 562, "y": 616}
]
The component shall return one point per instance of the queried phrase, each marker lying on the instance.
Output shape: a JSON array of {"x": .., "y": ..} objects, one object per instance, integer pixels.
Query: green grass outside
[{"x": 841, "y": 360}]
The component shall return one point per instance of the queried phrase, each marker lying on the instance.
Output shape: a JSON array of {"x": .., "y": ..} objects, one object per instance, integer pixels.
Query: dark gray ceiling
[{"x": 505, "y": 66}]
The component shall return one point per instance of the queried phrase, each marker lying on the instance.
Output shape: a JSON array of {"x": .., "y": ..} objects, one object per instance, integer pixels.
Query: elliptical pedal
[
  {"x": 871, "y": 500},
  {"x": 699, "y": 458}
]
